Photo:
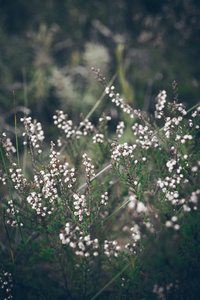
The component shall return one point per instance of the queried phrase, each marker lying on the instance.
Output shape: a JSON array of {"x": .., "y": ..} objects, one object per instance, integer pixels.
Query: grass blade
[
  {"x": 112, "y": 280},
  {"x": 16, "y": 131}
]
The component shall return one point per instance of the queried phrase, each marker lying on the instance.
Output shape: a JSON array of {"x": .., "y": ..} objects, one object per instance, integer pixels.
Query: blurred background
[{"x": 47, "y": 49}]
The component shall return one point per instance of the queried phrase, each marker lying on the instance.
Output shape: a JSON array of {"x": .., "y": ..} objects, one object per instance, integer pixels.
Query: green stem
[
  {"x": 112, "y": 215},
  {"x": 102, "y": 171},
  {"x": 16, "y": 131},
  {"x": 101, "y": 98},
  {"x": 11, "y": 251},
  {"x": 26, "y": 105},
  {"x": 193, "y": 107},
  {"x": 111, "y": 281}
]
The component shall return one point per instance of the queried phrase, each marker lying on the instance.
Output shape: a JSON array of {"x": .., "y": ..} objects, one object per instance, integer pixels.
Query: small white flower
[
  {"x": 194, "y": 169},
  {"x": 168, "y": 224}
]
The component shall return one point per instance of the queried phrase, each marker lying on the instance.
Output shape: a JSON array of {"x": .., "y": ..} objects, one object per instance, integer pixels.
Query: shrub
[{"x": 100, "y": 218}]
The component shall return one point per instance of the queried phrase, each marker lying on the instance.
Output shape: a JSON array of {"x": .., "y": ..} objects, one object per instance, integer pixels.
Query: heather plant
[{"x": 98, "y": 217}]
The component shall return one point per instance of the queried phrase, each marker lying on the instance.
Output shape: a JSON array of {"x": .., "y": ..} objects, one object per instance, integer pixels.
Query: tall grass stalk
[
  {"x": 111, "y": 281},
  {"x": 16, "y": 135}
]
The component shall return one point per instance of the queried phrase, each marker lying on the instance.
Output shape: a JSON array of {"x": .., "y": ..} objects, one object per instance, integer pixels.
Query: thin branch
[{"x": 98, "y": 174}]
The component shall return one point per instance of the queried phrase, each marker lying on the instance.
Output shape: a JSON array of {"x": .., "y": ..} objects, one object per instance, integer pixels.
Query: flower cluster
[
  {"x": 111, "y": 248},
  {"x": 136, "y": 205},
  {"x": 161, "y": 100},
  {"x": 69, "y": 175},
  {"x": 121, "y": 150},
  {"x": 192, "y": 202},
  {"x": 178, "y": 107},
  {"x": 170, "y": 164},
  {"x": 120, "y": 102},
  {"x": 18, "y": 179},
  {"x": 145, "y": 137},
  {"x": 3, "y": 177},
  {"x": 196, "y": 113},
  {"x": 98, "y": 138},
  {"x": 104, "y": 198},
  {"x": 34, "y": 132},
  {"x": 80, "y": 205},
  {"x": 54, "y": 162},
  {"x": 170, "y": 182},
  {"x": 7, "y": 144},
  {"x": 12, "y": 212},
  {"x": 57, "y": 168},
  {"x": 46, "y": 184},
  {"x": 6, "y": 285},
  {"x": 87, "y": 126},
  {"x": 35, "y": 200},
  {"x": 170, "y": 223},
  {"x": 184, "y": 138},
  {"x": 82, "y": 245},
  {"x": 131, "y": 247},
  {"x": 104, "y": 118},
  {"x": 89, "y": 167},
  {"x": 69, "y": 130},
  {"x": 168, "y": 186},
  {"x": 62, "y": 122},
  {"x": 136, "y": 234},
  {"x": 179, "y": 135},
  {"x": 170, "y": 123},
  {"x": 120, "y": 129}
]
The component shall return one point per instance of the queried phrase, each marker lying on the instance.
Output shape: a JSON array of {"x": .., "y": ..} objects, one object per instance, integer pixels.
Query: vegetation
[
  {"x": 99, "y": 185},
  {"x": 99, "y": 217}
]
